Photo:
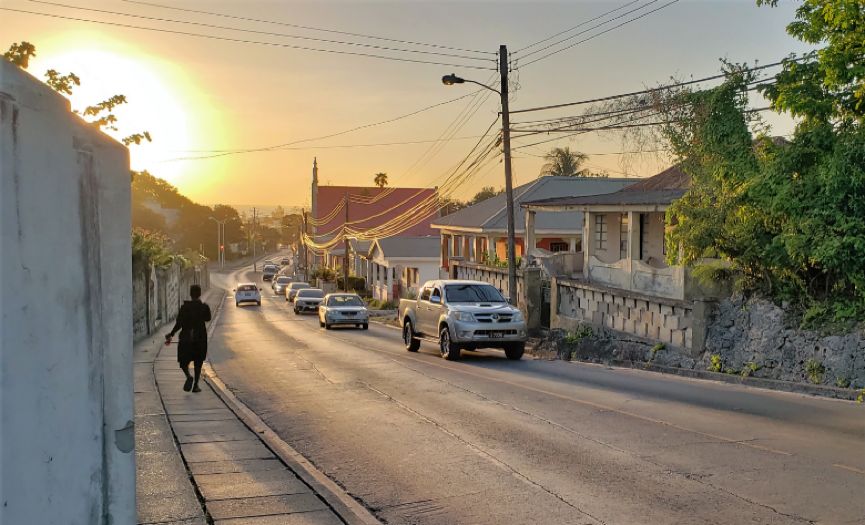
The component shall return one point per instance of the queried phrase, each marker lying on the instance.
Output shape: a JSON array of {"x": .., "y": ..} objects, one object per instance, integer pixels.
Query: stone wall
[
  {"x": 678, "y": 324},
  {"x": 756, "y": 331},
  {"x": 157, "y": 294}
]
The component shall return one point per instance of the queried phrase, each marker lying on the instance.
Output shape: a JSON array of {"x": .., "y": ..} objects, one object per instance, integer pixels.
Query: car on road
[
  {"x": 285, "y": 261},
  {"x": 247, "y": 293},
  {"x": 280, "y": 283},
  {"x": 460, "y": 315},
  {"x": 308, "y": 300},
  {"x": 292, "y": 289},
  {"x": 268, "y": 272},
  {"x": 343, "y": 309}
]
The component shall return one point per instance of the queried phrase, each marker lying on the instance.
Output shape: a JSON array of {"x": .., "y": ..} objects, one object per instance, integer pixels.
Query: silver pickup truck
[{"x": 462, "y": 314}]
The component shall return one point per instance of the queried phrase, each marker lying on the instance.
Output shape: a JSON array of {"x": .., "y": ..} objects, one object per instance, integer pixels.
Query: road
[{"x": 421, "y": 440}]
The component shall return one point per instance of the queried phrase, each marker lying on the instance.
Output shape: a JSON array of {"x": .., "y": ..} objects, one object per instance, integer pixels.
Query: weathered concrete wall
[
  {"x": 157, "y": 294},
  {"x": 66, "y": 412},
  {"x": 679, "y": 324}
]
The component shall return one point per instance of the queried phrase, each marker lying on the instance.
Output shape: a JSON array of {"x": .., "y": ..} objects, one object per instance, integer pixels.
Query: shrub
[
  {"x": 749, "y": 368},
  {"x": 573, "y": 338},
  {"x": 815, "y": 370},
  {"x": 715, "y": 363}
]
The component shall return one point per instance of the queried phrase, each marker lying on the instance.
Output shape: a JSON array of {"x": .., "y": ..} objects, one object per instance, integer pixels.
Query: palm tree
[
  {"x": 380, "y": 180},
  {"x": 562, "y": 162}
]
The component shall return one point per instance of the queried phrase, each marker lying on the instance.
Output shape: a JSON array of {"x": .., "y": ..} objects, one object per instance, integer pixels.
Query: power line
[
  {"x": 310, "y": 28},
  {"x": 575, "y": 27},
  {"x": 331, "y": 135},
  {"x": 252, "y": 31},
  {"x": 571, "y": 37},
  {"x": 645, "y": 91},
  {"x": 596, "y": 35},
  {"x": 245, "y": 41}
]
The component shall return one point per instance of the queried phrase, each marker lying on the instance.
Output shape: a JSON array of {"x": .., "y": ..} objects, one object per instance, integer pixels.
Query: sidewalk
[{"x": 222, "y": 473}]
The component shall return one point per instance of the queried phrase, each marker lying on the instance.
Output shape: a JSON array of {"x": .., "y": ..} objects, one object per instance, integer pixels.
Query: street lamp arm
[
  {"x": 485, "y": 86},
  {"x": 452, "y": 79}
]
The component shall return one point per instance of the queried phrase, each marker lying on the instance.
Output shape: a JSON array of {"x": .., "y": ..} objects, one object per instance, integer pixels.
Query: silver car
[
  {"x": 292, "y": 288},
  {"x": 280, "y": 283},
  {"x": 344, "y": 309},
  {"x": 307, "y": 300}
]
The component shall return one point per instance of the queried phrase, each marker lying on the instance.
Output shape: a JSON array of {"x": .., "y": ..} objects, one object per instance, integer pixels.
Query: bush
[
  {"x": 815, "y": 370},
  {"x": 356, "y": 284}
]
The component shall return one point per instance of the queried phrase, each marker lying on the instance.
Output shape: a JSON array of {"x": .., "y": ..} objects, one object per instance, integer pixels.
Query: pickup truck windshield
[{"x": 473, "y": 293}]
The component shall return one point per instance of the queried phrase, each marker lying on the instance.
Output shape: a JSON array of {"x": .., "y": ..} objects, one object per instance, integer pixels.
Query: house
[
  {"x": 478, "y": 233},
  {"x": 391, "y": 210},
  {"x": 625, "y": 233},
  {"x": 397, "y": 266}
]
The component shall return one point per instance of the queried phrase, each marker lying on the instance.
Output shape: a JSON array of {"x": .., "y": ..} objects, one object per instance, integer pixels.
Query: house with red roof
[{"x": 366, "y": 210}]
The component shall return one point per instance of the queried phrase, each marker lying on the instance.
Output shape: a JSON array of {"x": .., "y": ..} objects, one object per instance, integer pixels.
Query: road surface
[{"x": 421, "y": 440}]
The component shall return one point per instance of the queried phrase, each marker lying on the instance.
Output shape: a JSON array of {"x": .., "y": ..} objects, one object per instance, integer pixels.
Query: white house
[{"x": 396, "y": 266}]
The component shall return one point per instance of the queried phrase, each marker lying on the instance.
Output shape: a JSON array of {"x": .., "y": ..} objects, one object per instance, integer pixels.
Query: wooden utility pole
[
  {"x": 509, "y": 185},
  {"x": 345, "y": 252}
]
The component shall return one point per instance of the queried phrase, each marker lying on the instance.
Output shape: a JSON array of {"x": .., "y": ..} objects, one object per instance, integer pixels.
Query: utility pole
[
  {"x": 305, "y": 247},
  {"x": 346, "y": 248},
  {"x": 254, "y": 263},
  {"x": 509, "y": 185}
]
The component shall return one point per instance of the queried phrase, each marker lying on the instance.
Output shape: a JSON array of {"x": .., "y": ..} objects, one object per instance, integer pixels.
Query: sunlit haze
[{"x": 201, "y": 97}]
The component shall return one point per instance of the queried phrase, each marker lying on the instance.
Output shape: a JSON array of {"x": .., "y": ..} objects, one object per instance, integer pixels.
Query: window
[
  {"x": 424, "y": 295},
  {"x": 644, "y": 231},
  {"x": 601, "y": 232},
  {"x": 436, "y": 296},
  {"x": 558, "y": 247},
  {"x": 473, "y": 293},
  {"x": 623, "y": 236}
]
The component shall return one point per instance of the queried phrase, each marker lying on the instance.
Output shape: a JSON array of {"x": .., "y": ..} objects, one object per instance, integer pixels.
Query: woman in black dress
[{"x": 192, "y": 346}]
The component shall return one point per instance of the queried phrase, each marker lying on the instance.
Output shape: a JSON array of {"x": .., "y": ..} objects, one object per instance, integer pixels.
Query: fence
[{"x": 157, "y": 294}]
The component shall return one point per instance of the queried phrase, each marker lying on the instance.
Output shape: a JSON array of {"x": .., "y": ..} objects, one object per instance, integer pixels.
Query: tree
[
  {"x": 562, "y": 162},
  {"x": 789, "y": 215},
  {"x": 20, "y": 54},
  {"x": 100, "y": 115},
  {"x": 486, "y": 192},
  {"x": 380, "y": 180}
]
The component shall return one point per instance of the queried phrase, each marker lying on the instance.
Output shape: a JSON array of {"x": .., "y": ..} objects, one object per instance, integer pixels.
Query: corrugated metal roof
[
  {"x": 422, "y": 247},
  {"x": 491, "y": 214}
]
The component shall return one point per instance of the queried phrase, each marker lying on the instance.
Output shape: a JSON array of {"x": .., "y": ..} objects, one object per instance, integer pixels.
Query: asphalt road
[{"x": 420, "y": 440}]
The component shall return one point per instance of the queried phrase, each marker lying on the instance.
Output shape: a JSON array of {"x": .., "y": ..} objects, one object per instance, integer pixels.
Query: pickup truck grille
[{"x": 493, "y": 318}]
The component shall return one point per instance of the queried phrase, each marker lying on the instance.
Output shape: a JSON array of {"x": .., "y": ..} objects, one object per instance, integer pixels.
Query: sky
[{"x": 201, "y": 97}]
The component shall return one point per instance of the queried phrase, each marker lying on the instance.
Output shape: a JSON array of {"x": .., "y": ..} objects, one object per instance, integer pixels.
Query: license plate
[
  {"x": 496, "y": 335},
  {"x": 348, "y": 314}
]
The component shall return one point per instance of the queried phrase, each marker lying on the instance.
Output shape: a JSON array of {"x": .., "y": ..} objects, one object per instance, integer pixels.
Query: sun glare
[{"x": 160, "y": 99}]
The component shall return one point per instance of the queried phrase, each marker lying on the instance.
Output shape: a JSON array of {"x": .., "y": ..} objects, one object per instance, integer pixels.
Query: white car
[
  {"x": 247, "y": 293},
  {"x": 307, "y": 300},
  {"x": 343, "y": 308}
]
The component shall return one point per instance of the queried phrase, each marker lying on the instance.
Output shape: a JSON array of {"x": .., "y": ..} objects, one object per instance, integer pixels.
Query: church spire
[{"x": 315, "y": 170}]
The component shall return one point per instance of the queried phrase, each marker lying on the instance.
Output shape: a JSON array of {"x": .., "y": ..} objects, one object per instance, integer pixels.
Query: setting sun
[{"x": 160, "y": 99}]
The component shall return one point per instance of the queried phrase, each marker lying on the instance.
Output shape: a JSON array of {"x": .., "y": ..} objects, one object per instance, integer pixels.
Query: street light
[
  {"x": 220, "y": 240},
  {"x": 452, "y": 79}
]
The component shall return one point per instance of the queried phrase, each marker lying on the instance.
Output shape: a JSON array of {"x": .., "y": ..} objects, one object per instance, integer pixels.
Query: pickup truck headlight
[
  {"x": 465, "y": 317},
  {"x": 518, "y": 317}
]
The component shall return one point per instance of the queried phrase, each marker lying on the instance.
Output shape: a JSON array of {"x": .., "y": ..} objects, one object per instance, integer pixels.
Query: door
[{"x": 422, "y": 309}]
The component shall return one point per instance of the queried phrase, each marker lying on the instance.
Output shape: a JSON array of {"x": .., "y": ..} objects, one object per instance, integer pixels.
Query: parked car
[
  {"x": 307, "y": 300},
  {"x": 292, "y": 289},
  {"x": 280, "y": 283},
  {"x": 268, "y": 272},
  {"x": 344, "y": 309},
  {"x": 247, "y": 293},
  {"x": 462, "y": 314}
]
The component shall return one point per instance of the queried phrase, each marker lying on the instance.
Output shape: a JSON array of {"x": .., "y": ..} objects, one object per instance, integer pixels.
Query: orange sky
[{"x": 202, "y": 96}]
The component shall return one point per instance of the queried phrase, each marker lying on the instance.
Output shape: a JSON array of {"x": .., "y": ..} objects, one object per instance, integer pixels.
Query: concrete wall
[
  {"x": 157, "y": 294},
  {"x": 680, "y": 324},
  {"x": 66, "y": 409}
]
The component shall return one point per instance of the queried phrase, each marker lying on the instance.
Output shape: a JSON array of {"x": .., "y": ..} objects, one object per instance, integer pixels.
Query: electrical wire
[
  {"x": 256, "y": 32},
  {"x": 244, "y": 41},
  {"x": 617, "y": 26},
  {"x": 520, "y": 50},
  {"x": 310, "y": 28}
]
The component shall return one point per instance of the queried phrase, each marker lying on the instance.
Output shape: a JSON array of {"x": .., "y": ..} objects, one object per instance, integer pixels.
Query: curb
[
  {"x": 756, "y": 382},
  {"x": 346, "y": 507},
  {"x": 352, "y": 512}
]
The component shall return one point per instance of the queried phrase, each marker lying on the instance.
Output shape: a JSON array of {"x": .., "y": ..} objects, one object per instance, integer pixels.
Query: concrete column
[
  {"x": 491, "y": 247},
  {"x": 444, "y": 251},
  {"x": 530, "y": 303},
  {"x": 466, "y": 251},
  {"x": 588, "y": 241},
  {"x": 530, "y": 236},
  {"x": 387, "y": 283},
  {"x": 633, "y": 237},
  {"x": 572, "y": 247}
]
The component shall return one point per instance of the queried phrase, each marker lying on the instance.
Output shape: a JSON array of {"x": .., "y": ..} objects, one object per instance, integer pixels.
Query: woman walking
[{"x": 192, "y": 346}]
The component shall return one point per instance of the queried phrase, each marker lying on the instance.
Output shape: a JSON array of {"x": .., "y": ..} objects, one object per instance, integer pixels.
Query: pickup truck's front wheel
[
  {"x": 412, "y": 343},
  {"x": 514, "y": 351},
  {"x": 449, "y": 349}
]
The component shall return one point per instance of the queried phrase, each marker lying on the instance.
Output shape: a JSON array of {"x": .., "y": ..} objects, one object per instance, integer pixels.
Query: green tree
[
  {"x": 562, "y": 162},
  {"x": 20, "y": 54},
  {"x": 380, "y": 180},
  {"x": 486, "y": 192}
]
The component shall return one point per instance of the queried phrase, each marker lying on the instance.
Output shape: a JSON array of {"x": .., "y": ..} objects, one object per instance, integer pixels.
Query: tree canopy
[
  {"x": 562, "y": 162},
  {"x": 380, "y": 180}
]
